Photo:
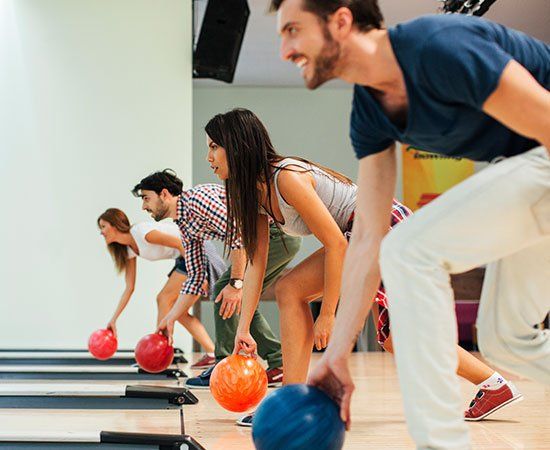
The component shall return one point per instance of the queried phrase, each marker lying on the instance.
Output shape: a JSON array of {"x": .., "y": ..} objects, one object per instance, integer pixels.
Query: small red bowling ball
[
  {"x": 102, "y": 344},
  {"x": 153, "y": 353}
]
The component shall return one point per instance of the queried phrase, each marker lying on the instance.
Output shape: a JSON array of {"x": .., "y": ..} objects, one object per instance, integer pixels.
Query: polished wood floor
[{"x": 378, "y": 421}]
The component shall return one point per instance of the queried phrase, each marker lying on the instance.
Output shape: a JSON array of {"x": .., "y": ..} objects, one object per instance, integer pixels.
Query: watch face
[{"x": 237, "y": 284}]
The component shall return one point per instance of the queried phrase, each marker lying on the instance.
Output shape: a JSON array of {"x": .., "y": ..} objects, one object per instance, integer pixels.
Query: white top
[
  {"x": 154, "y": 252},
  {"x": 338, "y": 197}
]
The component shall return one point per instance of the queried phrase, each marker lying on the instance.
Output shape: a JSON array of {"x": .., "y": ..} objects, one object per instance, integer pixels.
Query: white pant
[{"x": 499, "y": 217}]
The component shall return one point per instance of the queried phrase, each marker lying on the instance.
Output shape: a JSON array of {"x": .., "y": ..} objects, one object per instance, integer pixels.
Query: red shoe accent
[
  {"x": 488, "y": 401},
  {"x": 274, "y": 377},
  {"x": 205, "y": 362}
]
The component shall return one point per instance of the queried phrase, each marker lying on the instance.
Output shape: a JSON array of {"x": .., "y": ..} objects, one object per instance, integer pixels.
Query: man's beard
[
  {"x": 323, "y": 69},
  {"x": 160, "y": 213}
]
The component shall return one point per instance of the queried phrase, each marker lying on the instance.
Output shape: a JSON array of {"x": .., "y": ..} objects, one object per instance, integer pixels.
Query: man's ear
[
  {"x": 164, "y": 194},
  {"x": 341, "y": 22}
]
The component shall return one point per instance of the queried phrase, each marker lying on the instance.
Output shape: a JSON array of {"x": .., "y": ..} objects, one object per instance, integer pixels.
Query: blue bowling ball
[{"x": 298, "y": 417}]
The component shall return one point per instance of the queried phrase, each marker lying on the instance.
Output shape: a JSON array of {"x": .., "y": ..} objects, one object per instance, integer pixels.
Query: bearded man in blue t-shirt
[{"x": 463, "y": 87}]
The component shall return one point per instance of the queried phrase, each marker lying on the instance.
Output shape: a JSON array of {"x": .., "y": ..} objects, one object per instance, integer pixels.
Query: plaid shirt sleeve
[
  {"x": 210, "y": 206},
  {"x": 196, "y": 268},
  {"x": 399, "y": 213}
]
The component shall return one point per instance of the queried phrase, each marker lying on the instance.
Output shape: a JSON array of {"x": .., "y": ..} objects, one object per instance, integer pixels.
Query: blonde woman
[{"x": 155, "y": 241}]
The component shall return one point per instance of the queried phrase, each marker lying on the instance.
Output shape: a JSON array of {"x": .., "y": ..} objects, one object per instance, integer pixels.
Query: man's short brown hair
[{"x": 366, "y": 13}]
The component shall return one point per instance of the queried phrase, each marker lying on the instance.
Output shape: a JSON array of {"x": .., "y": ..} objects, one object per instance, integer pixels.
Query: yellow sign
[{"x": 427, "y": 175}]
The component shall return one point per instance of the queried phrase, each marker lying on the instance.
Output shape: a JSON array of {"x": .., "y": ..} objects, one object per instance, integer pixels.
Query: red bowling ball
[
  {"x": 102, "y": 344},
  {"x": 153, "y": 353}
]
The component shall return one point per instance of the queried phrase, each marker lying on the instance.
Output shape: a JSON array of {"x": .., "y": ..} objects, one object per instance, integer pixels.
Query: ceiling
[{"x": 259, "y": 63}]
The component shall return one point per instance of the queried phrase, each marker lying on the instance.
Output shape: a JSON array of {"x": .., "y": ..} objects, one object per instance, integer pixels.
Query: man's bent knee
[{"x": 497, "y": 348}]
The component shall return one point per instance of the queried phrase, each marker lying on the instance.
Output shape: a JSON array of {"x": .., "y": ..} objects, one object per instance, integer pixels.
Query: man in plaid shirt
[{"x": 201, "y": 214}]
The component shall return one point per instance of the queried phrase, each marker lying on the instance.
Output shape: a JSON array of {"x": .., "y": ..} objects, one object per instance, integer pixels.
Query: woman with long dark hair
[
  {"x": 152, "y": 241},
  {"x": 303, "y": 198}
]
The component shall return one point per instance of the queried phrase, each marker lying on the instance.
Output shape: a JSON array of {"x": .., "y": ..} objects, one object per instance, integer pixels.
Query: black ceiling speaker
[
  {"x": 220, "y": 39},
  {"x": 469, "y": 7}
]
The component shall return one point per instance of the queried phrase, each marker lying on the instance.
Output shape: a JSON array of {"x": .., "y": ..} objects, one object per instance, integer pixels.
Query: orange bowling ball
[
  {"x": 238, "y": 383},
  {"x": 153, "y": 353}
]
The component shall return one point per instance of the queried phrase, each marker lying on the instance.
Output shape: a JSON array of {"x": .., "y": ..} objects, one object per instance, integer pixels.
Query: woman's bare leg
[{"x": 293, "y": 292}]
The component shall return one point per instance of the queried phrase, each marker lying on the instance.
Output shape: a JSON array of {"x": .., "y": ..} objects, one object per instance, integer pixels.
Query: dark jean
[{"x": 179, "y": 266}]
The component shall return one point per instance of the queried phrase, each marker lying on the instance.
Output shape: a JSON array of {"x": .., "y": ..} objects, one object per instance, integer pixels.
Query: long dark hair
[
  {"x": 119, "y": 252},
  {"x": 251, "y": 158}
]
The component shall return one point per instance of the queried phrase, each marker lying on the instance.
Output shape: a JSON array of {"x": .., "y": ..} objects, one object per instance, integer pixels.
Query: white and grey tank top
[{"x": 338, "y": 197}]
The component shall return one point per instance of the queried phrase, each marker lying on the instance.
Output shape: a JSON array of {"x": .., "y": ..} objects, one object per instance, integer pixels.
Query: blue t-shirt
[{"x": 451, "y": 64}]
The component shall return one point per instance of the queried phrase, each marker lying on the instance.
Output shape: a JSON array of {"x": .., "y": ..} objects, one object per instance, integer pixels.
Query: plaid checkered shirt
[
  {"x": 399, "y": 213},
  {"x": 201, "y": 216}
]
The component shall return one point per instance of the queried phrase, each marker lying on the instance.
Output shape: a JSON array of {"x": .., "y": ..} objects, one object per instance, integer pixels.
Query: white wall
[{"x": 94, "y": 96}]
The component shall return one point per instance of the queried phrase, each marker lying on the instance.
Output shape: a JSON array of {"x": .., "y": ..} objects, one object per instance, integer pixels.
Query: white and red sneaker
[{"x": 488, "y": 401}]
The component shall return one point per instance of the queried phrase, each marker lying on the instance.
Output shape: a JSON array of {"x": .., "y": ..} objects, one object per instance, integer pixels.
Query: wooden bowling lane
[
  {"x": 86, "y": 372},
  {"x": 72, "y": 430},
  {"x": 378, "y": 412},
  {"x": 159, "y": 382},
  {"x": 378, "y": 420},
  {"x": 82, "y": 421},
  {"x": 93, "y": 396}
]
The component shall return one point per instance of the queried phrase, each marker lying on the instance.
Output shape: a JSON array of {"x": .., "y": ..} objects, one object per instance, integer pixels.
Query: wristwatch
[{"x": 237, "y": 283}]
